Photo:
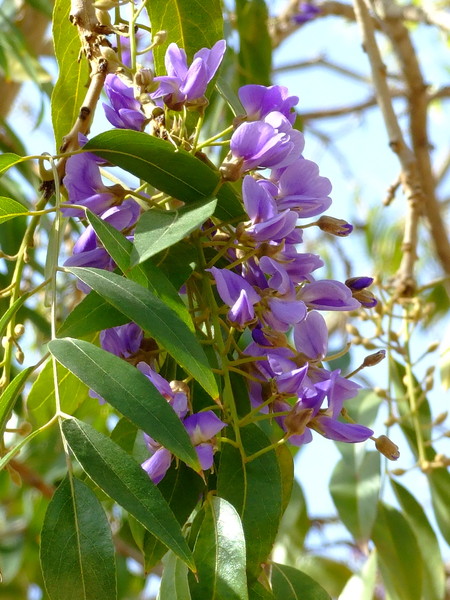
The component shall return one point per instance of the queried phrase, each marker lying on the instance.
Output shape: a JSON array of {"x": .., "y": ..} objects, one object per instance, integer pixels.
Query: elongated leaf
[
  {"x": 150, "y": 313},
  {"x": 147, "y": 275},
  {"x": 399, "y": 554},
  {"x": 362, "y": 585},
  {"x": 332, "y": 574},
  {"x": 158, "y": 230},
  {"x": 291, "y": 584},
  {"x": 189, "y": 29},
  {"x": 122, "y": 478},
  {"x": 434, "y": 573},
  {"x": 174, "y": 581},
  {"x": 6, "y": 317},
  {"x": 219, "y": 552},
  {"x": 255, "y": 490},
  {"x": 8, "y": 160},
  {"x": 294, "y": 525},
  {"x": 258, "y": 592},
  {"x": 10, "y": 395},
  {"x": 41, "y": 399},
  {"x": 129, "y": 391},
  {"x": 10, "y": 208},
  {"x": 70, "y": 88},
  {"x": 77, "y": 552},
  {"x": 255, "y": 48},
  {"x": 355, "y": 487},
  {"x": 169, "y": 169},
  {"x": 439, "y": 481},
  {"x": 181, "y": 487},
  {"x": 91, "y": 315}
]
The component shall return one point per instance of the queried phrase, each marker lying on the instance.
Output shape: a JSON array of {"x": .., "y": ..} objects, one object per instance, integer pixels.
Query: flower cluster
[{"x": 266, "y": 283}]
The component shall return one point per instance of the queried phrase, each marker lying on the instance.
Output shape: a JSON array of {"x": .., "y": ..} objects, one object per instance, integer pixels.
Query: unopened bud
[
  {"x": 380, "y": 392},
  {"x": 398, "y": 472},
  {"x": 159, "y": 38},
  {"x": 433, "y": 347},
  {"x": 180, "y": 387},
  {"x": 105, "y": 4},
  {"x": 359, "y": 283},
  {"x": 387, "y": 448},
  {"x": 109, "y": 54},
  {"x": 296, "y": 421},
  {"x": 440, "y": 418},
  {"x": 19, "y": 356},
  {"x": 103, "y": 17},
  {"x": 24, "y": 429},
  {"x": 144, "y": 79},
  {"x": 374, "y": 359},
  {"x": 19, "y": 330},
  {"x": 366, "y": 298},
  {"x": 334, "y": 226},
  {"x": 231, "y": 168},
  {"x": 15, "y": 476}
]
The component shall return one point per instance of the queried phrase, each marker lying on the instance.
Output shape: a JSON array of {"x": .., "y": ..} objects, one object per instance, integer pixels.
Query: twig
[{"x": 345, "y": 110}]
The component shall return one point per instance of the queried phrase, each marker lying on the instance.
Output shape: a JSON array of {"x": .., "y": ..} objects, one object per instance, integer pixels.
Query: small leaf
[
  {"x": 10, "y": 208},
  {"x": 70, "y": 88},
  {"x": 355, "y": 488},
  {"x": 158, "y": 230},
  {"x": 155, "y": 317},
  {"x": 123, "y": 479},
  {"x": 434, "y": 572},
  {"x": 129, "y": 391},
  {"x": 398, "y": 552},
  {"x": 8, "y": 160},
  {"x": 10, "y": 395},
  {"x": 219, "y": 552},
  {"x": 439, "y": 482},
  {"x": 169, "y": 169},
  {"x": 255, "y": 490},
  {"x": 174, "y": 581},
  {"x": 291, "y": 584},
  {"x": 77, "y": 552}
]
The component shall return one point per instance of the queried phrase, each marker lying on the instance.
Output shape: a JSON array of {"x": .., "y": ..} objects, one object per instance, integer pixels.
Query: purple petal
[
  {"x": 203, "y": 426},
  {"x": 157, "y": 465},
  {"x": 259, "y": 204},
  {"x": 176, "y": 61},
  {"x": 230, "y": 286},
  {"x": 341, "y": 432},
  {"x": 242, "y": 311},
  {"x": 311, "y": 336},
  {"x": 212, "y": 58},
  {"x": 328, "y": 295},
  {"x": 205, "y": 453}
]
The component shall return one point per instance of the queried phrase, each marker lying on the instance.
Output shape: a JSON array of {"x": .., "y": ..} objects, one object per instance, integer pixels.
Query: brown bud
[
  {"x": 231, "y": 168},
  {"x": 334, "y": 226},
  {"x": 159, "y": 38},
  {"x": 374, "y": 359},
  {"x": 398, "y": 472},
  {"x": 19, "y": 330},
  {"x": 387, "y": 448},
  {"x": 180, "y": 386},
  {"x": 144, "y": 79},
  {"x": 441, "y": 418},
  {"x": 297, "y": 420},
  {"x": 24, "y": 429}
]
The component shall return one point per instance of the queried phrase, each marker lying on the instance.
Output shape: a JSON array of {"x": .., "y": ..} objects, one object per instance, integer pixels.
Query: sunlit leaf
[
  {"x": 8, "y": 160},
  {"x": 77, "y": 552},
  {"x": 10, "y": 208},
  {"x": 10, "y": 395},
  {"x": 362, "y": 585},
  {"x": 174, "y": 581},
  {"x": 291, "y": 584}
]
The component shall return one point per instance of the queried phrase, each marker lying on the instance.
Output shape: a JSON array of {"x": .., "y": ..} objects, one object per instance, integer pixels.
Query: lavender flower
[
  {"x": 125, "y": 110},
  {"x": 306, "y": 12},
  {"x": 259, "y": 101},
  {"x": 123, "y": 341},
  {"x": 185, "y": 85}
]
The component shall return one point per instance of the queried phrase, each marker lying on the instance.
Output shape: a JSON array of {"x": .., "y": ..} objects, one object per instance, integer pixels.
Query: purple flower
[
  {"x": 123, "y": 341},
  {"x": 236, "y": 293},
  {"x": 311, "y": 336},
  {"x": 84, "y": 185},
  {"x": 177, "y": 398},
  {"x": 306, "y": 12},
  {"x": 359, "y": 283},
  {"x": 270, "y": 143},
  {"x": 183, "y": 85},
  {"x": 259, "y": 101},
  {"x": 301, "y": 188},
  {"x": 328, "y": 295},
  {"x": 158, "y": 464},
  {"x": 202, "y": 427},
  {"x": 125, "y": 111}
]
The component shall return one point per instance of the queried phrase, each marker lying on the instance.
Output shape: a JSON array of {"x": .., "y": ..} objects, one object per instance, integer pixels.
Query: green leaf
[
  {"x": 147, "y": 275},
  {"x": 439, "y": 482},
  {"x": 174, "y": 581},
  {"x": 332, "y": 574},
  {"x": 167, "y": 168},
  {"x": 91, "y": 315},
  {"x": 41, "y": 402},
  {"x": 10, "y": 395},
  {"x": 181, "y": 487},
  {"x": 286, "y": 465},
  {"x": 362, "y": 585},
  {"x": 150, "y": 313},
  {"x": 219, "y": 552},
  {"x": 189, "y": 29},
  {"x": 294, "y": 525},
  {"x": 291, "y": 584},
  {"x": 255, "y": 47},
  {"x": 10, "y": 208},
  {"x": 398, "y": 552},
  {"x": 444, "y": 364},
  {"x": 258, "y": 592},
  {"x": 355, "y": 487},
  {"x": 70, "y": 88},
  {"x": 8, "y": 160},
  {"x": 77, "y": 552},
  {"x": 129, "y": 391},
  {"x": 157, "y": 230},
  {"x": 123, "y": 479},
  {"x": 255, "y": 490},
  {"x": 434, "y": 573}
]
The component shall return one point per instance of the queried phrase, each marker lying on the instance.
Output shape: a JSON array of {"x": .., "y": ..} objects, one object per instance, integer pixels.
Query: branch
[
  {"x": 345, "y": 110},
  {"x": 409, "y": 175}
]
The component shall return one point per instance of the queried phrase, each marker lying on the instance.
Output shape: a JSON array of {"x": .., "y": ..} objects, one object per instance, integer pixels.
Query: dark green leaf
[
  {"x": 10, "y": 208},
  {"x": 41, "y": 402},
  {"x": 77, "y": 552},
  {"x": 256, "y": 491},
  {"x": 167, "y": 168},
  {"x": 400, "y": 560},
  {"x": 10, "y": 395},
  {"x": 129, "y": 391},
  {"x": 286, "y": 465},
  {"x": 219, "y": 552},
  {"x": 258, "y": 592},
  {"x": 70, "y": 88},
  {"x": 189, "y": 29},
  {"x": 158, "y": 230},
  {"x": 291, "y": 584},
  {"x": 332, "y": 574},
  {"x": 122, "y": 478},
  {"x": 150, "y": 313},
  {"x": 91, "y": 315},
  {"x": 124, "y": 434},
  {"x": 294, "y": 525},
  {"x": 355, "y": 487},
  {"x": 255, "y": 47},
  {"x": 434, "y": 573},
  {"x": 439, "y": 482}
]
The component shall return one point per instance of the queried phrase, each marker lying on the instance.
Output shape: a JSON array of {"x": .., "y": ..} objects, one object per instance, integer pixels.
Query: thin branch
[{"x": 346, "y": 110}]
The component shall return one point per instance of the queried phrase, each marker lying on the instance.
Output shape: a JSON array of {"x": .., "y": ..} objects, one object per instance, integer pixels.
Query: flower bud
[
  {"x": 109, "y": 54},
  {"x": 159, "y": 38},
  {"x": 334, "y": 226},
  {"x": 398, "y": 472},
  {"x": 144, "y": 79},
  {"x": 440, "y": 418},
  {"x": 387, "y": 448},
  {"x": 296, "y": 421},
  {"x": 374, "y": 359},
  {"x": 103, "y": 17},
  {"x": 105, "y": 4},
  {"x": 19, "y": 330},
  {"x": 231, "y": 170},
  {"x": 366, "y": 298},
  {"x": 19, "y": 356},
  {"x": 24, "y": 429},
  {"x": 359, "y": 283},
  {"x": 180, "y": 386}
]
